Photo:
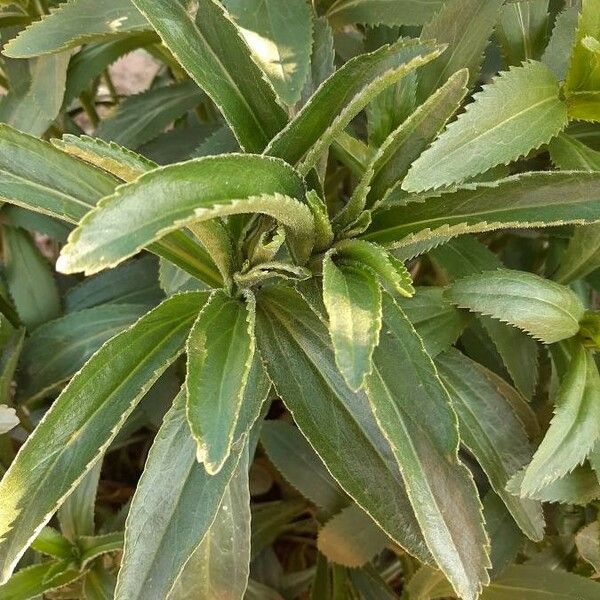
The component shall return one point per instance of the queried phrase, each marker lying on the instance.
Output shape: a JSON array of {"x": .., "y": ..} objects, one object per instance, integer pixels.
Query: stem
[
  {"x": 89, "y": 108},
  {"x": 110, "y": 85},
  {"x": 26, "y": 422}
]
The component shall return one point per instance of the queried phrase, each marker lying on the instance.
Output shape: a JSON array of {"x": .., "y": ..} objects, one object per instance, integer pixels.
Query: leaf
[
  {"x": 76, "y": 514},
  {"x": 558, "y": 51},
  {"x": 492, "y": 432},
  {"x": 505, "y": 536},
  {"x": 574, "y": 429},
  {"x": 8, "y": 419},
  {"x": 135, "y": 282},
  {"x": 391, "y": 272},
  {"x": 579, "y": 487},
  {"x": 140, "y": 118},
  {"x": 84, "y": 419},
  {"x": 588, "y": 544},
  {"x": 98, "y": 584},
  {"x": 208, "y": 46},
  {"x": 322, "y": 57},
  {"x": 582, "y": 86},
  {"x": 92, "y": 59},
  {"x": 293, "y": 340},
  {"x": 219, "y": 567},
  {"x": 30, "y": 281},
  {"x": 376, "y": 12},
  {"x": 465, "y": 26},
  {"x": 518, "y": 351},
  {"x": 414, "y": 411},
  {"x": 295, "y": 459},
  {"x": 546, "y": 310},
  {"x": 371, "y": 585},
  {"x": 180, "y": 500},
  {"x": 31, "y": 582},
  {"x": 351, "y": 538},
  {"x": 52, "y": 543},
  {"x": 280, "y": 37},
  {"x": 528, "y": 200},
  {"x": 352, "y": 297},
  {"x": 74, "y": 23},
  {"x": 567, "y": 152},
  {"x": 55, "y": 351},
  {"x": 39, "y": 177},
  {"x": 11, "y": 344},
  {"x": 184, "y": 193},
  {"x": 522, "y": 30},
  {"x": 437, "y": 322},
  {"x": 341, "y": 97},
  {"x": 517, "y": 581},
  {"x": 410, "y": 139},
  {"x": 518, "y": 112},
  {"x": 121, "y": 162},
  {"x": 220, "y": 350},
  {"x": 36, "y": 92}
]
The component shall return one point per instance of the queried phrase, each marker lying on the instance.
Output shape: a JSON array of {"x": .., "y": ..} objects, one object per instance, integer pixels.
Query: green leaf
[
  {"x": 36, "y": 92},
  {"x": 29, "y": 277},
  {"x": 98, "y": 584},
  {"x": 84, "y": 420},
  {"x": 52, "y": 543},
  {"x": 517, "y": 581},
  {"x": 54, "y": 352},
  {"x": 42, "y": 178},
  {"x": 546, "y": 310},
  {"x": 371, "y": 585},
  {"x": 465, "y": 26},
  {"x": 518, "y": 112},
  {"x": 491, "y": 431},
  {"x": 208, "y": 46},
  {"x": 76, "y": 514},
  {"x": 574, "y": 429},
  {"x": 184, "y": 193},
  {"x": 92, "y": 59},
  {"x": 352, "y": 297},
  {"x": 414, "y": 411},
  {"x": 280, "y": 36},
  {"x": 293, "y": 340},
  {"x": 139, "y": 119},
  {"x": 387, "y": 12},
  {"x": 539, "y": 199},
  {"x": 518, "y": 351},
  {"x": 134, "y": 282},
  {"x": 11, "y": 343},
  {"x": 121, "y": 162},
  {"x": 220, "y": 566},
  {"x": 437, "y": 321},
  {"x": 505, "y": 536},
  {"x": 31, "y": 582},
  {"x": 220, "y": 350},
  {"x": 582, "y": 86},
  {"x": 568, "y": 153},
  {"x": 351, "y": 538},
  {"x": 588, "y": 544},
  {"x": 522, "y": 30},
  {"x": 295, "y": 459},
  {"x": 321, "y": 59},
  {"x": 579, "y": 487},
  {"x": 180, "y": 500},
  {"x": 390, "y": 164},
  {"x": 74, "y": 23},
  {"x": 392, "y": 273},
  {"x": 342, "y": 97},
  {"x": 558, "y": 51}
]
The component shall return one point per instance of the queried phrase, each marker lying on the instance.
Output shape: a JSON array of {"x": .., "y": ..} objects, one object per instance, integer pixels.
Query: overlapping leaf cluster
[{"x": 331, "y": 279}]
